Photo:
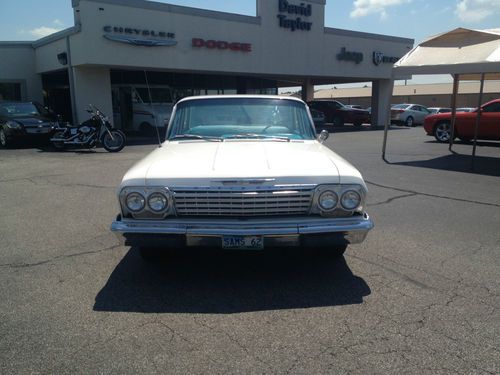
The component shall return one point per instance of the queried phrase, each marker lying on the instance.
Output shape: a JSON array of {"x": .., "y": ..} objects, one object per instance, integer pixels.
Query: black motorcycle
[{"x": 95, "y": 130}]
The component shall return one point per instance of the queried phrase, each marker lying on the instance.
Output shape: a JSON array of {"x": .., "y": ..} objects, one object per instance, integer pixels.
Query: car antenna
[{"x": 151, "y": 104}]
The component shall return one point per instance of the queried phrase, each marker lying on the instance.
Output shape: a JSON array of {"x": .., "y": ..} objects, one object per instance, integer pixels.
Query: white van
[{"x": 142, "y": 108}]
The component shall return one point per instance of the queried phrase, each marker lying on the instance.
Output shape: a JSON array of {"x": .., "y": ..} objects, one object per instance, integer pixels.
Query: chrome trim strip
[{"x": 355, "y": 227}]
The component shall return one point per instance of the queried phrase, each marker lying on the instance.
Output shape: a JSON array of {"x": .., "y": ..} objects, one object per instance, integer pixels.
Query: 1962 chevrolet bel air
[{"x": 242, "y": 172}]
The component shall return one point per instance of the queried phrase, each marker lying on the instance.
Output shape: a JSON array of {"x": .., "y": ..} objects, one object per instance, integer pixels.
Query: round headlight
[
  {"x": 328, "y": 200},
  {"x": 157, "y": 202},
  {"x": 135, "y": 202},
  {"x": 350, "y": 200}
]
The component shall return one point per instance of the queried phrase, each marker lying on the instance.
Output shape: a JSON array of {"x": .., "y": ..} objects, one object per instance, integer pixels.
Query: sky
[{"x": 414, "y": 19}]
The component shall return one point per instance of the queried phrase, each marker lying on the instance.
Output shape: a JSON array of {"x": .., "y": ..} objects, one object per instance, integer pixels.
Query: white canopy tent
[{"x": 466, "y": 54}]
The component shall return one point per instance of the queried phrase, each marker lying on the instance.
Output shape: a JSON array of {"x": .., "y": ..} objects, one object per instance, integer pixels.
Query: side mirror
[{"x": 323, "y": 136}]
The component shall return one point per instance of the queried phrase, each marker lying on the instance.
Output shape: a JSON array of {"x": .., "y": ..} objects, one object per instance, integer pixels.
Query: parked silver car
[
  {"x": 408, "y": 114},
  {"x": 466, "y": 109},
  {"x": 435, "y": 110}
]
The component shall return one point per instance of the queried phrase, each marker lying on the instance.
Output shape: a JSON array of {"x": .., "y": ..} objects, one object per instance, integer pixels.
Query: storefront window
[{"x": 10, "y": 91}]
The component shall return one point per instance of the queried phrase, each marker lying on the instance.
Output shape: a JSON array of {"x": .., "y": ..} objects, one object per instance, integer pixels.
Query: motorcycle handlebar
[{"x": 92, "y": 109}]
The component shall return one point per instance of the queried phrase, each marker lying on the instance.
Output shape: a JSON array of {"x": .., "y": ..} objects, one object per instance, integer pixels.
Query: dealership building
[{"x": 117, "y": 49}]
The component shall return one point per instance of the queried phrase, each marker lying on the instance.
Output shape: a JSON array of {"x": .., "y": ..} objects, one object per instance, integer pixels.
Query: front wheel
[
  {"x": 409, "y": 121},
  {"x": 113, "y": 140},
  {"x": 442, "y": 132},
  {"x": 4, "y": 141}
]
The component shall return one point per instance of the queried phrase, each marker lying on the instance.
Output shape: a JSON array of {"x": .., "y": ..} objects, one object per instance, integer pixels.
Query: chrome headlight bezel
[
  {"x": 321, "y": 199},
  {"x": 339, "y": 190},
  {"x": 137, "y": 195},
  {"x": 352, "y": 193},
  {"x": 13, "y": 125},
  {"x": 147, "y": 212},
  {"x": 162, "y": 197}
]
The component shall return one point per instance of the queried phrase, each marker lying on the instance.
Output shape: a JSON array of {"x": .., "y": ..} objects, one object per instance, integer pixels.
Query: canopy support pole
[
  {"x": 456, "y": 79},
  {"x": 386, "y": 128},
  {"x": 478, "y": 118}
]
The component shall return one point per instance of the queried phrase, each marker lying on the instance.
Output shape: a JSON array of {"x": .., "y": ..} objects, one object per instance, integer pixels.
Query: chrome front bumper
[{"x": 278, "y": 231}]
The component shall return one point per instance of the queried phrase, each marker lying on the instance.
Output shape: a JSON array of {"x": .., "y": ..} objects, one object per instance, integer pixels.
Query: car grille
[{"x": 225, "y": 202}]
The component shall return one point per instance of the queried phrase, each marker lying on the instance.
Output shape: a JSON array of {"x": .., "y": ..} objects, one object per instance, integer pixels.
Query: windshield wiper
[
  {"x": 196, "y": 136},
  {"x": 257, "y": 136}
]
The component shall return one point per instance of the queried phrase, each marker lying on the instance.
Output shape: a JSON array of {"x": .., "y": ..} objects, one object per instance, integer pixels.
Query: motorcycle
[{"x": 95, "y": 130}]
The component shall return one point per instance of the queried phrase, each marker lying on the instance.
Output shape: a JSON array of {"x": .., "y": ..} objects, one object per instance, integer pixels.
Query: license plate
[{"x": 243, "y": 242}]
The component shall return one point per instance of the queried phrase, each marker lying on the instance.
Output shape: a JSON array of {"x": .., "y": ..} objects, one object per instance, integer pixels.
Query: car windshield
[
  {"x": 21, "y": 110},
  {"x": 241, "y": 118},
  {"x": 400, "y": 106}
]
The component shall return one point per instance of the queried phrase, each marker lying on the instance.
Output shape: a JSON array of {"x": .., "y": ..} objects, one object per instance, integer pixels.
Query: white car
[
  {"x": 408, "y": 114},
  {"x": 242, "y": 172},
  {"x": 151, "y": 107}
]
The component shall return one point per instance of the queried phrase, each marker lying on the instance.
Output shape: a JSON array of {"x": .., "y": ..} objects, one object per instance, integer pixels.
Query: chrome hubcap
[
  {"x": 443, "y": 132},
  {"x": 3, "y": 139}
]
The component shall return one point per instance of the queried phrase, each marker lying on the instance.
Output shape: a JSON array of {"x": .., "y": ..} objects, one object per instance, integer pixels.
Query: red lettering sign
[{"x": 221, "y": 44}]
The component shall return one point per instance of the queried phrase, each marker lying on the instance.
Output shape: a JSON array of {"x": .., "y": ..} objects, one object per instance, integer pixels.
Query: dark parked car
[
  {"x": 439, "y": 125},
  {"x": 338, "y": 114},
  {"x": 318, "y": 117},
  {"x": 20, "y": 120}
]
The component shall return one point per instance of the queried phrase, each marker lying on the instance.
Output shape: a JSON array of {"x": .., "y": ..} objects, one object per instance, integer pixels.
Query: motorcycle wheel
[
  {"x": 58, "y": 145},
  {"x": 115, "y": 143}
]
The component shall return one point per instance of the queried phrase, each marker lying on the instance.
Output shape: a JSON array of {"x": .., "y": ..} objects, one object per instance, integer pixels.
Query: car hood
[
  {"x": 31, "y": 121},
  {"x": 447, "y": 115},
  {"x": 196, "y": 163},
  {"x": 355, "y": 110}
]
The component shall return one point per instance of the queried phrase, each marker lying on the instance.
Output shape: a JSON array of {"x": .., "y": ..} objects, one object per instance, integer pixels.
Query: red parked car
[
  {"x": 438, "y": 125},
  {"x": 338, "y": 114}
]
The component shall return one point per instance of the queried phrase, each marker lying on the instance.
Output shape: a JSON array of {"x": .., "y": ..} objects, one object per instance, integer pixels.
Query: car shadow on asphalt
[
  {"x": 217, "y": 282},
  {"x": 483, "y": 165}
]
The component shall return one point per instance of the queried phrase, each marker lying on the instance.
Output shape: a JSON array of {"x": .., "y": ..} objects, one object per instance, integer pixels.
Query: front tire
[
  {"x": 4, "y": 141},
  {"x": 442, "y": 132},
  {"x": 114, "y": 142}
]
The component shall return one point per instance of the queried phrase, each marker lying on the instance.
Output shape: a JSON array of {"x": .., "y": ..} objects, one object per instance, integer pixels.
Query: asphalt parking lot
[{"x": 420, "y": 295}]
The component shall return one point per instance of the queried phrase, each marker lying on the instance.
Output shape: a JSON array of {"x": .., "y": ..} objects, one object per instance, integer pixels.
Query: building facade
[
  {"x": 118, "y": 48},
  {"x": 429, "y": 95}
]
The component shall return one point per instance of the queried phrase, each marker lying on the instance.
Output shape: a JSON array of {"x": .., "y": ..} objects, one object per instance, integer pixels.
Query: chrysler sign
[{"x": 139, "y": 37}]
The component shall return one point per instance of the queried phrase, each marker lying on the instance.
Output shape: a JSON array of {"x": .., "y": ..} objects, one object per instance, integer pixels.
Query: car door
[
  {"x": 420, "y": 113},
  {"x": 489, "y": 127},
  {"x": 412, "y": 111}
]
